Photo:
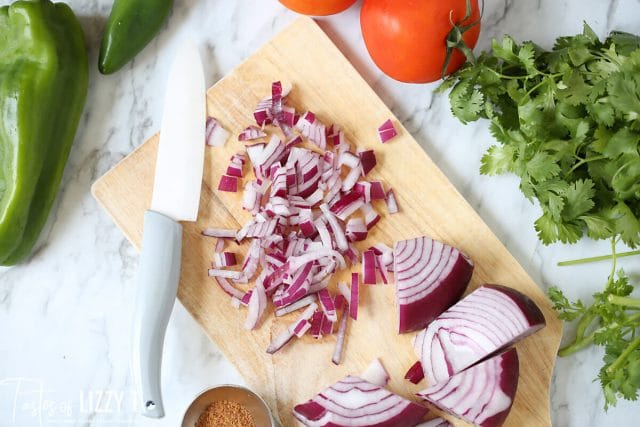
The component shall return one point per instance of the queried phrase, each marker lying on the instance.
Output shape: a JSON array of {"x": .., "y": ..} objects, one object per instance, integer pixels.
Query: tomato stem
[{"x": 454, "y": 38}]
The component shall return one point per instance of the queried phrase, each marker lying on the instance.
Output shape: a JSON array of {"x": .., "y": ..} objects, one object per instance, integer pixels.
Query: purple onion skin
[
  {"x": 419, "y": 314},
  {"x": 529, "y": 308},
  {"x": 508, "y": 383}
]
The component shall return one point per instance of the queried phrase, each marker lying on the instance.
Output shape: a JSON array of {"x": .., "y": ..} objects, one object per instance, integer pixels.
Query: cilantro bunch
[{"x": 567, "y": 122}]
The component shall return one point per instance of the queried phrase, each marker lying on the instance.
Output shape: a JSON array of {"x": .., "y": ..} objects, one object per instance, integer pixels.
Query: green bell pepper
[
  {"x": 43, "y": 86},
  {"x": 131, "y": 26}
]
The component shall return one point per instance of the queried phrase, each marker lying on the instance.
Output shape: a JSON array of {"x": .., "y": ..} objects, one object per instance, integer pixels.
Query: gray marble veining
[{"x": 65, "y": 315}]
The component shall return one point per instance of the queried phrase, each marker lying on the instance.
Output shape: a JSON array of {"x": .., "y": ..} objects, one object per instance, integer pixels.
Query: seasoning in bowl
[{"x": 225, "y": 413}]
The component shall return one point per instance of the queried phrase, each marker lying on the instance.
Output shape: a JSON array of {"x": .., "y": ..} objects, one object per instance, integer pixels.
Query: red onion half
[
  {"x": 481, "y": 395},
  {"x": 353, "y": 401},
  {"x": 486, "y": 321},
  {"x": 430, "y": 276}
]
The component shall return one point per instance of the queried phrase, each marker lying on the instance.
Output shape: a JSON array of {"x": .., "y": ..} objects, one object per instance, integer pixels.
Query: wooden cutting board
[{"x": 326, "y": 83}]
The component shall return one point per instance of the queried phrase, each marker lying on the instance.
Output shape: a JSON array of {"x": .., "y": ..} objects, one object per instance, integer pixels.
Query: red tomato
[
  {"x": 318, "y": 7},
  {"x": 407, "y": 38}
]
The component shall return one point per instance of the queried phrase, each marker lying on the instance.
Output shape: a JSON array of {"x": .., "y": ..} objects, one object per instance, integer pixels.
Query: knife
[{"x": 176, "y": 197}]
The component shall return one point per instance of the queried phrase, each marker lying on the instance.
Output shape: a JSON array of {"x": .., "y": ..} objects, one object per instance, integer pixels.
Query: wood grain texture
[{"x": 325, "y": 82}]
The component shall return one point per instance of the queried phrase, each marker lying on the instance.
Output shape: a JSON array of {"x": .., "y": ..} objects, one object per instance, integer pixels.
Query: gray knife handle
[{"x": 157, "y": 288}]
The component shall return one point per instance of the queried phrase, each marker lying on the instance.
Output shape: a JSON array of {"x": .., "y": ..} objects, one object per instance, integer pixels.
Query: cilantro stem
[
  {"x": 581, "y": 340},
  {"x": 587, "y": 160},
  {"x": 621, "y": 359},
  {"x": 596, "y": 258},
  {"x": 625, "y": 301}
]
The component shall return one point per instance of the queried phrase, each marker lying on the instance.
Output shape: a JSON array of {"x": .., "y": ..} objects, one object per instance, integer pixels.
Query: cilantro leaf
[{"x": 579, "y": 199}]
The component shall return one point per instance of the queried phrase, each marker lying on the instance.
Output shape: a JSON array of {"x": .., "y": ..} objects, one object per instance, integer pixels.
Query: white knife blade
[{"x": 180, "y": 159}]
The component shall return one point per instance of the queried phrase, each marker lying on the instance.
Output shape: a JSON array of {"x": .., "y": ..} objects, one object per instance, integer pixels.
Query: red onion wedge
[
  {"x": 387, "y": 131},
  {"x": 430, "y": 276},
  {"x": 375, "y": 373},
  {"x": 481, "y": 395},
  {"x": 436, "y": 422},
  {"x": 486, "y": 321},
  {"x": 415, "y": 374},
  {"x": 353, "y": 401},
  {"x": 216, "y": 135}
]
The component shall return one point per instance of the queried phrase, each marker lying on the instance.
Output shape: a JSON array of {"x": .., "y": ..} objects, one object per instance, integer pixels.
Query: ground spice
[{"x": 225, "y": 413}]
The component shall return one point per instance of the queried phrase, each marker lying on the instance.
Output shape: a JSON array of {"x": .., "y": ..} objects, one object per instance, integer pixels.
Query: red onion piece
[
  {"x": 316, "y": 324},
  {"x": 392, "y": 203},
  {"x": 382, "y": 269},
  {"x": 415, "y": 374},
  {"x": 347, "y": 204},
  {"x": 430, "y": 276},
  {"x": 228, "y": 183},
  {"x": 353, "y": 401},
  {"x": 301, "y": 303},
  {"x": 369, "y": 268},
  {"x": 229, "y": 289},
  {"x": 224, "y": 259},
  {"x": 376, "y": 373},
  {"x": 387, "y": 131},
  {"x": 486, "y": 321},
  {"x": 367, "y": 160},
  {"x": 221, "y": 233},
  {"x": 371, "y": 217},
  {"x": 216, "y": 135},
  {"x": 377, "y": 190},
  {"x": 356, "y": 230},
  {"x": 219, "y": 246},
  {"x": 336, "y": 358},
  {"x": 286, "y": 335},
  {"x": 354, "y": 296},
  {"x": 327, "y": 305},
  {"x": 251, "y": 133},
  {"x": 327, "y": 326},
  {"x": 257, "y": 305},
  {"x": 481, "y": 395},
  {"x": 227, "y": 274}
]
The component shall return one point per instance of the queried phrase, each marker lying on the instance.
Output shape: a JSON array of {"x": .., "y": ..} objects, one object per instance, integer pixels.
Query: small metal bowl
[{"x": 255, "y": 405}]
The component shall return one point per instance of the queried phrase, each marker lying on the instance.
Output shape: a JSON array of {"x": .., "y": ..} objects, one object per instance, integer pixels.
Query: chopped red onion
[
  {"x": 251, "y": 133},
  {"x": 224, "y": 259},
  {"x": 415, "y": 374},
  {"x": 367, "y": 161},
  {"x": 392, "y": 203},
  {"x": 289, "y": 333},
  {"x": 353, "y": 401},
  {"x": 301, "y": 303},
  {"x": 347, "y": 204},
  {"x": 219, "y": 246},
  {"x": 227, "y": 274},
  {"x": 375, "y": 373},
  {"x": 228, "y": 183},
  {"x": 382, "y": 269},
  {"x": 369, "y": 268},
  {"x": 216, "y": 135},
  {"x": 327, "y": 305},
  {"x": 353, "y": 297},
  {"x": 377, "y": 190},
  {"x": 356, "y": 230},
  {"x": 486, "y": 321},
  {"x": 387, "y": 131},
  {"x": 482, "y": 394},
  {"x": 371, "y": 217},
  {"x": 221, "y": 233},
  {"x": 257, "y": 305},
  {"x": 316, "y": 324},
  {"x": 228, "y": 288}
]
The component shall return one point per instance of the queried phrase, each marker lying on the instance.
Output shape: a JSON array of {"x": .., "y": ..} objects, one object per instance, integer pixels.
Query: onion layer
[
  {"x": 353, "y": 401},
  {"x": 481, "y": 395},
  {"x": 430, "y": 276},
  {"x": 486, "y": 321}
]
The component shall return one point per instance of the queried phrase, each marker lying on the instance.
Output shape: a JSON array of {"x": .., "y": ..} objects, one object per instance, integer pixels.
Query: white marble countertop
[{"x": 64, "y": 315}]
